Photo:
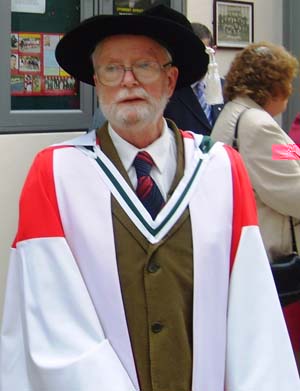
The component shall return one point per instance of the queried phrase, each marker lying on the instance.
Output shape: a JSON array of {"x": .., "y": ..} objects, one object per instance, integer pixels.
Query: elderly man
[{"x": 122, "y": 281}]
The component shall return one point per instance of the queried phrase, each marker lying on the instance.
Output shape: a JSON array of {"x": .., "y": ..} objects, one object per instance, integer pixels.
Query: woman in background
[{"x": 257, "y": 87}]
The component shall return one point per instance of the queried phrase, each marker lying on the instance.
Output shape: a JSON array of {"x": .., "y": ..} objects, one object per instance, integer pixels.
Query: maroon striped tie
[{"x": 147, "y": 189}]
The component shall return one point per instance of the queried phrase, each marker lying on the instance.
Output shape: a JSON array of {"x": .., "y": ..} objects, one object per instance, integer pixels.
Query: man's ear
[
  {"x": 173, "y": 73},
  {"x": 95, "y": 79}
]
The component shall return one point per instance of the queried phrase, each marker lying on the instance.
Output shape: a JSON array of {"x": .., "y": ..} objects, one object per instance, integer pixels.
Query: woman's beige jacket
[{"x": 276, "y": 182}]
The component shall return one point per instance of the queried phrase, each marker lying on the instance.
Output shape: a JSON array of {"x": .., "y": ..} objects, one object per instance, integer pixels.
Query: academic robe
[{"x": 64, "y": 325}]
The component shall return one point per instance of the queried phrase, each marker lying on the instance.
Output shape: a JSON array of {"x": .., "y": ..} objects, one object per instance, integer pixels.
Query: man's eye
[
  {"x": 111, "y": 68},
  {"x": 144, "y": 65}
]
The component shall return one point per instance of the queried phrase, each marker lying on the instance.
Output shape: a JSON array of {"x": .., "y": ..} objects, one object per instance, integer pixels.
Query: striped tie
[
  {"x": 200, "y": 87},
  {"x": 147, "y": 190}
]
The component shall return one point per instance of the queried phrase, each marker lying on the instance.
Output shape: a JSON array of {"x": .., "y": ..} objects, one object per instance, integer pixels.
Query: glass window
[{"x": 37, "y": 81}]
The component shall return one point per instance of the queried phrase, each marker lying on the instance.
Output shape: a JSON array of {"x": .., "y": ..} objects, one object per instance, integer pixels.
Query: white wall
[
  {"x": 17, "y": 151},
  {"x": 267, "y": 24}
]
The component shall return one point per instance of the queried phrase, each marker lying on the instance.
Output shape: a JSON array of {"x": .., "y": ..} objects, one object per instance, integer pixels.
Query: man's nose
[{"x": 129, "y": 77}]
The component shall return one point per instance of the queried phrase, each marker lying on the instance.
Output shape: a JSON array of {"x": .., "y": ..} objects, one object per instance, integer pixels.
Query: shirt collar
[
  {"x": 158, "y": 149},
  {"x": 194, "y": 84},
  {"x": 198, "y": 82}
]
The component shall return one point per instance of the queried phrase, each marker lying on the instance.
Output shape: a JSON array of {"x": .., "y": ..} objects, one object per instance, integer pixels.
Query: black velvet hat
[{"x": 163, "y": 24}]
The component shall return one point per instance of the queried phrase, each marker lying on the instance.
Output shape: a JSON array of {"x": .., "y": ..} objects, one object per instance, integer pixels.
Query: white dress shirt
[{"x": 163, "y": 152}]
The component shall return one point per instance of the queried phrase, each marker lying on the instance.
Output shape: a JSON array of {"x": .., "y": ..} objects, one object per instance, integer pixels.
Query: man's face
[{"x": 133, "y": 102}]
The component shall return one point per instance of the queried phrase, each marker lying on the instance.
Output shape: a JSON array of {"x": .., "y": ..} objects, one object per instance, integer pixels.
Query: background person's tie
[
  {"x": 147, "y": 190},
  {"x": 200, "y": 88}
]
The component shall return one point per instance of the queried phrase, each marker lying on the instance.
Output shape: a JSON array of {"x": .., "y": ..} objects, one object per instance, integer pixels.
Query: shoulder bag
[{"x": 285, "y": 269}]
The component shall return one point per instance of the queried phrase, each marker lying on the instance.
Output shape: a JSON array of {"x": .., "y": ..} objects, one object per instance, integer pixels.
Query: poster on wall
[
  {"x": 233, "y": 23},
  {"x": 34, "y": 69},
  {"x": 32, "y": 6},
  {"x": 122, "y": 7}
]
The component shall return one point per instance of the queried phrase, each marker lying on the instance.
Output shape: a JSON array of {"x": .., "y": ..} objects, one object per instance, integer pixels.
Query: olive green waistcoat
[{"x": 157, "y": 288}]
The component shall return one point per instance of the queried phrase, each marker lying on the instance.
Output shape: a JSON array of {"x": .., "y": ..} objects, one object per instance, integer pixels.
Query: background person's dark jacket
[{"x": 187, "y": 113}]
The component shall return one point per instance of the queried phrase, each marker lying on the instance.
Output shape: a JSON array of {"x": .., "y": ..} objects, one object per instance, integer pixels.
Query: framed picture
[{"x": 233, "y": 24}]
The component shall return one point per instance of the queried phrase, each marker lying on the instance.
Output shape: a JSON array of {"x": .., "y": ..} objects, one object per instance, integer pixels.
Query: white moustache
[{"x": 132, "y": 94}]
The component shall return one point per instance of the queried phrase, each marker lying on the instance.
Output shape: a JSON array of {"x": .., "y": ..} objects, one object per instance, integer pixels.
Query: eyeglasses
[{"x": 144, "y": 72}]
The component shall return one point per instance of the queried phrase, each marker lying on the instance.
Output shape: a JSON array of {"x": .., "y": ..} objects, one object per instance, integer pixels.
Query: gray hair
[{"x": 203, "y": 32}]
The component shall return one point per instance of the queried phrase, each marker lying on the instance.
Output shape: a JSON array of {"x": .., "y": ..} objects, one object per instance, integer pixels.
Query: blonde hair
[{"x": 261, "y": 71}]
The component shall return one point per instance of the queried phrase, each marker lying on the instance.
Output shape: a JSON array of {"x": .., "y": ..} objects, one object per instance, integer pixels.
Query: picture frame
[{"x": 233, "y": 23}]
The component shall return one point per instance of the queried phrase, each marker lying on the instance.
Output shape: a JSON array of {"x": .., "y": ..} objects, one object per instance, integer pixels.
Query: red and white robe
[{"x": 64, "y": 326}]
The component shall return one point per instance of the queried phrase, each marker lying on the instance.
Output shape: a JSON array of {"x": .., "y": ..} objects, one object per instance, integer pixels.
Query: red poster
[{"x": 34, "y": 69}]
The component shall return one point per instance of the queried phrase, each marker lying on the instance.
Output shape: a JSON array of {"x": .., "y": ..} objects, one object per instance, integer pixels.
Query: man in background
[{"x": 188, "y": 107}]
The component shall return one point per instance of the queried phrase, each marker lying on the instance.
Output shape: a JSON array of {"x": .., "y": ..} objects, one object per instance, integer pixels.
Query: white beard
[{"x": 130, "y": 115}]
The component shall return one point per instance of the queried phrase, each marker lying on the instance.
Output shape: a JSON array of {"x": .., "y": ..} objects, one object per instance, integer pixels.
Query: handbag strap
[
  {"x": 235, "y": 136},
  {"x": 294, "y": 243},
  {"x": 235, "y": 146}
]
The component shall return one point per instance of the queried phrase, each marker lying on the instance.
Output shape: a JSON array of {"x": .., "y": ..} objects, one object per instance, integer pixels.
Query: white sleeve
[
  {"x": 52, "y": 339},
  {"x": 259, "y": 353}
]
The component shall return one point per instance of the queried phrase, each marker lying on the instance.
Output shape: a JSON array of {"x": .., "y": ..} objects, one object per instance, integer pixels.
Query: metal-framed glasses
[{"x": 144, "y": 72}]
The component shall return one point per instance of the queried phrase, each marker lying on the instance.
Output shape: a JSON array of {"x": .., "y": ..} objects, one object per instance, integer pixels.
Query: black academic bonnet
[{"x": 163, "y": 24}]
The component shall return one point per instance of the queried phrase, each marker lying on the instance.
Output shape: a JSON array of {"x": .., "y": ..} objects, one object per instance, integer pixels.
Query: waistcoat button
[
  {"x": 156, "y": 327},
  {"x": 153, "y": 267}
]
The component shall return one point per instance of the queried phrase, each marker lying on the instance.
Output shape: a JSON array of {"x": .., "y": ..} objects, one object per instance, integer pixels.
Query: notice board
[{"x": 37, "y": 81}]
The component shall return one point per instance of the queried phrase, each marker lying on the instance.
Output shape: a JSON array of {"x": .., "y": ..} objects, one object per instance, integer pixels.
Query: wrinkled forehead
[{"x": 123, "y": 44}]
